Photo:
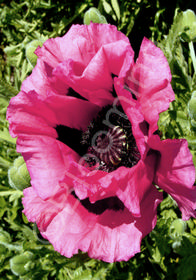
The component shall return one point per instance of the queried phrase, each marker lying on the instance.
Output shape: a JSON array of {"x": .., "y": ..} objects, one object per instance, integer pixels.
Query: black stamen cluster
[{"x": 110, "y": 117}]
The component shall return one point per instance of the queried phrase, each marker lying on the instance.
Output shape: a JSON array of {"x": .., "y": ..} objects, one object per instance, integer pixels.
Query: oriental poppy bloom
[{"x": 86, "y": 122}]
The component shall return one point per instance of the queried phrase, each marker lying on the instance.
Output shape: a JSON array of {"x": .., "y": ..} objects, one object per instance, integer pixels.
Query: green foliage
[
  {"x": 93, "y": 15},
  {"x": 18, "y": 175},
  {"x": 168, "y": 252},
  {"x": 189, "y": 26},
  {"x": 22, "y": 264},
  {"x": 179, "y": 121},
  {"x": 30, "y": 48}
]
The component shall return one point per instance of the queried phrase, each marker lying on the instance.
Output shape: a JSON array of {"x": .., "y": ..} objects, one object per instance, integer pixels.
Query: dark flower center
[
  {"x": 110, "y": 146},
  {"x": 109, "y": 141}
]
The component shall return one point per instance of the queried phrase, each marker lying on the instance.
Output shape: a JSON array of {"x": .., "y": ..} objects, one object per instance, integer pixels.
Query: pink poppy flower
[{"x": 86, "y": 122}]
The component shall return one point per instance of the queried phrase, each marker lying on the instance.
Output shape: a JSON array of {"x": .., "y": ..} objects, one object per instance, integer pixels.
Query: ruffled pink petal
[
  {"x": 87, "y": 86},
  {"x": 176, "y": 173},
  {"x": 111, "y": 236},
  {"x": 149, "y": 80},
  {"x": 29, "y": 113},
  {"x": 80, "y": 43},
  {"x": 40, "y": 211},
  {"x": 79, "y": 40},
  {"x": 46, "y": 159},
  {"x": 95, "y": 82},
  {"x": 71, "y": 111},
  {"x": 157, "y": 103},
  {"x": 129, "y": 184},
  {"x": 96, "y": 235},
  {"x": 148, "y": 219},
  {"x": 132, "y": 109},
  {"x": 119, "y": 56},
  {"x": 138, "y": 183},
  {"x": 39, "y": 80},
  {"x": 95, "y": 184}
]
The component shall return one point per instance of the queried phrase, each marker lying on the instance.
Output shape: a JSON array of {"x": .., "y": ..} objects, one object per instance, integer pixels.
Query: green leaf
[
  {"x": 20, "y": 264},
  {"x": 4, "y": 163},
  {"x": 107, "y": 7},
  {"x": 18, "y": 175},
  {"x": 94, "y": 15},
  {"x": 5, "y": 136},
  {"x": 188, "y": 26},
  {"x": 30, "y": 49},
  {"x": 5, "y": 237},
  {"x": 6, "y": 90},
  {"x": 177, "y": 229},
  {"x": 116, "y": 8},
  {"x": 186, "y": 270}
]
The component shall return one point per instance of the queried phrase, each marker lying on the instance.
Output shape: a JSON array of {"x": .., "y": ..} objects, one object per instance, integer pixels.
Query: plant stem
[
  {"x": 193, "y": 57},
  {"x": 5, "y": 163},
  {"x": 5, "y": 193}
]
